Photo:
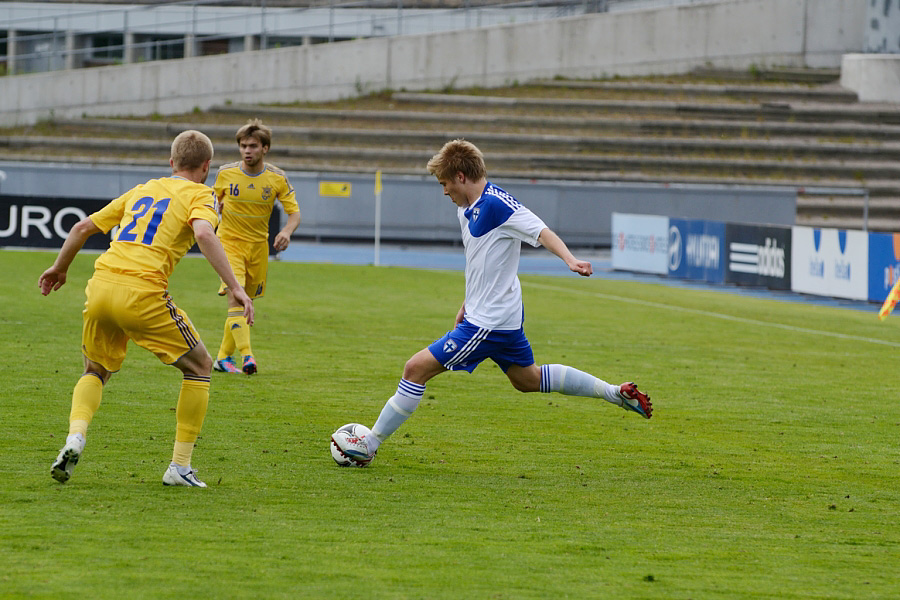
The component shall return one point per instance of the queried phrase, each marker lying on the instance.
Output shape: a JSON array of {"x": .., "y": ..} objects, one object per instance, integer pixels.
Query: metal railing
[{"x": 69, "y": 36}]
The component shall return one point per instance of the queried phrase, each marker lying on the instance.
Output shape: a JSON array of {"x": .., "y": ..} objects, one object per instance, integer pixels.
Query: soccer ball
[{"x": 339, "y": 440}]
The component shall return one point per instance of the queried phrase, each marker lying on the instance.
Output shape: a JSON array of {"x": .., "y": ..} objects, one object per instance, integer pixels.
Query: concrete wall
[
  {"x": 874, "y": 77},
  {"x": 732, "y": 33},
  {"x": 414, "y": 208}
]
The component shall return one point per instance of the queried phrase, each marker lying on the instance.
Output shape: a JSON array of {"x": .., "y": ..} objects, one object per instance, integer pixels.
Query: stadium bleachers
[{"x": 793, "y": 127}]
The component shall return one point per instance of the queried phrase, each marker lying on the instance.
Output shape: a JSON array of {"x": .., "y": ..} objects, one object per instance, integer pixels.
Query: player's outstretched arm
[
  {"x": 212, "y": 249},
  {"x": 554, "y": 244},
  {"x": 55, "y": 277}
]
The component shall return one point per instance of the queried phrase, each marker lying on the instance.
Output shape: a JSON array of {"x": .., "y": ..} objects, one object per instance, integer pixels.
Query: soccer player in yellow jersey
[
  {"x": 127, "y": 297},
  {"x": 247, "y": 190}
]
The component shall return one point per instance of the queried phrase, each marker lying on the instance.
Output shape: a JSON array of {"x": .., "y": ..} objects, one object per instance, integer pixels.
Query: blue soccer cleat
[
  {"x": 249, "y": 365},
  {"x": 226, "y": 365}
]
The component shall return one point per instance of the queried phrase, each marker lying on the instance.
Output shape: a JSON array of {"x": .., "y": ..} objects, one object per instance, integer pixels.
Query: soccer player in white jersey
[{"x": 489, "y": 323}]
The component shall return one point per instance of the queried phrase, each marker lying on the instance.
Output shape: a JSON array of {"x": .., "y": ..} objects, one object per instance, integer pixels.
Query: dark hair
[{"x": 255, "y": 129}]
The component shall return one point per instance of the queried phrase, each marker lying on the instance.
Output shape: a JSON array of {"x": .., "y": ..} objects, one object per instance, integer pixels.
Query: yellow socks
[
  {"x": 86, "y": 399},
  {"x": 189, "y": 415},
  {"x": 236, "y": 336},
  {"x": 240, "y": 331}
]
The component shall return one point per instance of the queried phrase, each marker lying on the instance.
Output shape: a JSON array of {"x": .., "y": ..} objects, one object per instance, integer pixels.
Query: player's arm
[
  {"x": 552, "y": 242},
  {"x": 212, "y": 249},
  {"x": 283, "y": 238},
  {"x": 461, "y": 314},
  {"x": 53, "y": 278}
]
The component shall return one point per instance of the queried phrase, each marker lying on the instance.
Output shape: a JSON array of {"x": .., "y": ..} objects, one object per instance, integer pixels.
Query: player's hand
[
  {"x": 582, "y": 267},
  {"x": 281, "y": 242},
  {"x": 51, "y": 280},
  {"x": 244, "y": 300}
]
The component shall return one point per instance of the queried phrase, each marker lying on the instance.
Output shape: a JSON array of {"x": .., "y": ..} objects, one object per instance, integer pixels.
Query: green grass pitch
[{"x": 769, "y": 470}]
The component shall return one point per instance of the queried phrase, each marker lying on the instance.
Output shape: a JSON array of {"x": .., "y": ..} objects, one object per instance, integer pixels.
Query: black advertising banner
[
  {"x": 758, "y": 255},
  {"x": 44, "y": 222}
]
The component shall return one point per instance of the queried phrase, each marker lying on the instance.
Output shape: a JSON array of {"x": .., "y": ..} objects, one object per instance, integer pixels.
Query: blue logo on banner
[{"x": 697, "y": 249}]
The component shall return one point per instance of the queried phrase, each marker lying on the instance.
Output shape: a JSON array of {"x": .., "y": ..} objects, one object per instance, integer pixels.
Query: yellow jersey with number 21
[{"x": 155, "y": 231}]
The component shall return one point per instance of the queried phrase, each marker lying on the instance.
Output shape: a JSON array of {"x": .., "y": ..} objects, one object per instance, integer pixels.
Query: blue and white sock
[
  {"x": 572, "y": 382},
  {"x": 396, "y": 411}
]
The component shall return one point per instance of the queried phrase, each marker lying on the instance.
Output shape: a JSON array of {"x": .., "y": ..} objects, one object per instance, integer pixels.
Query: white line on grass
[{"x": 707, "y": 313}]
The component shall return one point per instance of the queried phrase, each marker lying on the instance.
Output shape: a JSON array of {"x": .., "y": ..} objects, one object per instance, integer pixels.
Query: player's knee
[
  {"x": 92, "y": 368},
  {"x": 204, "y": 364},
  {"x": 524, "y": 386}
]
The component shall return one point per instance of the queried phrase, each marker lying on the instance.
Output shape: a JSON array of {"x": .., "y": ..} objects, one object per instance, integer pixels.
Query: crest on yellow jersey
[{"x": 266, "y": 192}]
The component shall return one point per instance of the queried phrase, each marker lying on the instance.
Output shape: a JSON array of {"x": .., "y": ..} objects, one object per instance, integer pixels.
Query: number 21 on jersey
[{"x": 148, "y": 212}]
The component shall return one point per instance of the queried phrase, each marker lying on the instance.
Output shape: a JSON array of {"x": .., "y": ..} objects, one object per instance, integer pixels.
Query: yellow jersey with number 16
[
  {"x": 155, "y": 231},
  {"x": 246, "y": 201}
]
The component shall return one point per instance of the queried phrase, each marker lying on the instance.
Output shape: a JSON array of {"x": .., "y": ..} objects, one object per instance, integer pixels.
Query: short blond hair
[
  {"x": 458, "y": 156},
  {"x": 254, "y": 128},
  {"x": 190, "y": 150}
]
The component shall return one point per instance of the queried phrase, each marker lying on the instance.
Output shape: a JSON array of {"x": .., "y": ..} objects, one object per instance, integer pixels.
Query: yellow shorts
[
  {"x": 250, "y": 263},
  {"x": 115, "y": 313}
]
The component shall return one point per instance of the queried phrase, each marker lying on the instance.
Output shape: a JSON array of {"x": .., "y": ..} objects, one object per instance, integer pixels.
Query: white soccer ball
[{"x": 350, "y": 433}]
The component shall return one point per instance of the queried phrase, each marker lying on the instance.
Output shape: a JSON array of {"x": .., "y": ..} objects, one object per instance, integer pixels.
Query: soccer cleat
[
  {"x": 635, "y": 400},
  {"x": 226, "y": 365},
  {"x": 64, "y": 465},
  {"x": 185, "y": 476},
  {"x": 249, "y": 365}
]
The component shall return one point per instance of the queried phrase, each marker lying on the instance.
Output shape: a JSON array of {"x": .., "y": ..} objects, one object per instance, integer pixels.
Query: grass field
[{"x": 769, "y": 470}]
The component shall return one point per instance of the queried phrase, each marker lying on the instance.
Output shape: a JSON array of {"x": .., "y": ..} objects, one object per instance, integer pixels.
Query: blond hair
[
  {"x": 254, "y": 128},
  {"x": 190, "y": 150},
  {"x": 458, "y": 156}
]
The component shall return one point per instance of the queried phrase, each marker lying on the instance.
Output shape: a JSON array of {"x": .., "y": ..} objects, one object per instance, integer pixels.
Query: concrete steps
[{"x": 780, "y": 127}]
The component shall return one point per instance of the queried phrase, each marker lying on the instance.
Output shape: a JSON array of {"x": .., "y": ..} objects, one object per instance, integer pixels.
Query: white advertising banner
[
  {"x": 830, "y": 262},
  {"x": 640, "y": 243}
]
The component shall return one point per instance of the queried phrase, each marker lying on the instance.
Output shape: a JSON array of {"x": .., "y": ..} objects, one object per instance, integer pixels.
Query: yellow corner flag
[
  {"x": 378, "y": 181},
  {"x": 890, "y": 302}
]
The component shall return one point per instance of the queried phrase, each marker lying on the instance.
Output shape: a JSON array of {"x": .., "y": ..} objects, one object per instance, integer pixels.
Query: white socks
[
  {"x": 395, "y": 412},
  {"x": 572, "y": 382}
]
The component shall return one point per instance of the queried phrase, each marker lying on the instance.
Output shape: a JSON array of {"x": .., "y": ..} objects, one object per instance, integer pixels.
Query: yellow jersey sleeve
[
  {"x": 155, "y": 232},
  {"x": 247, "y": 201}
]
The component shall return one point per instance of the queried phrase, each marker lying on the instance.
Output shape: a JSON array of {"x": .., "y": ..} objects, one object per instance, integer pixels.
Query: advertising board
[
  {"x": 830, "y": 262},
  {"x": 640, "y": 243},
  {"x": 758, "y": 255},
  {"x": 696, "y": 250},
  {"x": 884, "y": 264},
  {"x": 44, "y": 222}
]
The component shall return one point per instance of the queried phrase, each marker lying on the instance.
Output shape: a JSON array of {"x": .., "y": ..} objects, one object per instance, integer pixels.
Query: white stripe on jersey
[{"x": 469, "y": 346}]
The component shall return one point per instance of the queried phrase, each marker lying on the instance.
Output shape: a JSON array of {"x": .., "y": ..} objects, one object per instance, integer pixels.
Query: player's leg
[
  {"x": 517, "y": 361},
  {"x": 166, "y": 330},
  {"x": 572, "y": 382},
  {"x": 234, "y": 320},
  {"x": 256, "y": 257},
  {"x": 421, "y": 367},
  {"x": 103, "y": 343},
  {"x": 240, "y": 333},
  {"x": 190, "y": 412},
  {"x": 86, "y": 399},
  {"x": 224, "y": 360}
]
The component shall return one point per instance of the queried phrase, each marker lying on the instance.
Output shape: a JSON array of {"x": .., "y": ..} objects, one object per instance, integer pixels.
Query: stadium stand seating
[{"x": 786, "y": 127}]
